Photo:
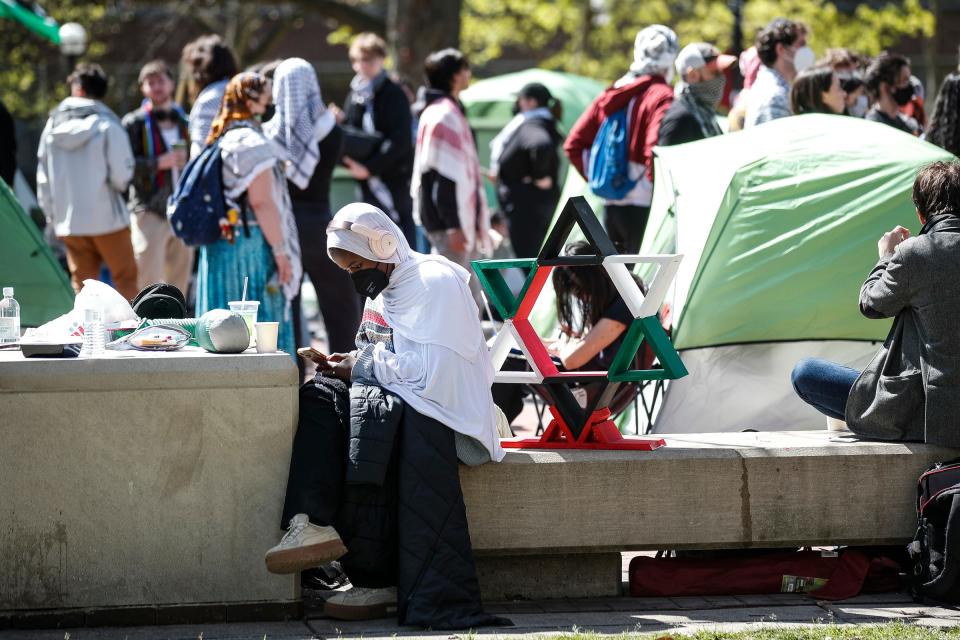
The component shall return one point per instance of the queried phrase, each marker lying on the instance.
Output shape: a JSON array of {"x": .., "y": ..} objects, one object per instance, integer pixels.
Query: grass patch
[{"x": 888, "y": 631}]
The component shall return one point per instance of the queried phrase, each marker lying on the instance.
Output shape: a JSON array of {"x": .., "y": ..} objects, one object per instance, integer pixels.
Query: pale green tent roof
[
  {"x": 26, "y": 264},
  {"x": 490, "y": 102},
  {"x": 778, "y": 225}
]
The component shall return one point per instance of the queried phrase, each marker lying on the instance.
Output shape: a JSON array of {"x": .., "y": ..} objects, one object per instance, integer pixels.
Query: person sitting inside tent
[
  {"x": 911, "y": 389},
  {"x": 380, "y": 424},
  {"x": 593, "y": 320},
  {"x": 818, "y": 90}
]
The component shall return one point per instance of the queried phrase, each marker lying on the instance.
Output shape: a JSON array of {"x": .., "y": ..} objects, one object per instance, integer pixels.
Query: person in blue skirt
[{"x": 261, "y": 242}]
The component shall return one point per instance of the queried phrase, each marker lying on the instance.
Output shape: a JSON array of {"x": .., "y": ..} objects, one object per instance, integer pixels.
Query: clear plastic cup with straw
[{"x": 248, "y": 311}]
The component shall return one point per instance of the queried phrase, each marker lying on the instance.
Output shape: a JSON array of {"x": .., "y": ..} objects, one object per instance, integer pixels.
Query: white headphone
[{"x": 382, "y": 242}]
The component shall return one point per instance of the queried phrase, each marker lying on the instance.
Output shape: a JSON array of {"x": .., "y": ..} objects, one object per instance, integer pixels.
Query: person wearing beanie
[
  {"x": 692, "y": 116},
  {"x": 646, "y": 92}
]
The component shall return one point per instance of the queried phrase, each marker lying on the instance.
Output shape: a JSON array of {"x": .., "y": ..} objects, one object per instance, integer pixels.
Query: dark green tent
[{"x": 26, "y": 264}]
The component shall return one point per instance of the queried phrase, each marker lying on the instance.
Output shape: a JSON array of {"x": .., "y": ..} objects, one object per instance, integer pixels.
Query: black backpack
[{"x": 934, "y": 550}]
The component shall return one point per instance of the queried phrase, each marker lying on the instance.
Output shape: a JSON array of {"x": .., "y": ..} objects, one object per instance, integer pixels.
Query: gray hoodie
[{"x": 85, "y": 164}]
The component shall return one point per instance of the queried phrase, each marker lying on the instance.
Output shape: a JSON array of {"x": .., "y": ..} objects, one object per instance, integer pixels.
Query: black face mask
[
  {"x": 903, "y": 95},
  {"x": 269, "y": 113},
  {"x": 369, "y": 282}
]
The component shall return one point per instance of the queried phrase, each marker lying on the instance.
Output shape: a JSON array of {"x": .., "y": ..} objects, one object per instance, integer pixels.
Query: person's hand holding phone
[{"x": 338, "y": 365}]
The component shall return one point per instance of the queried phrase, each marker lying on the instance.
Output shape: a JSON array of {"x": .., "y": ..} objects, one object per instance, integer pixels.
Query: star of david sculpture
[{"x": 574, "y": 426}]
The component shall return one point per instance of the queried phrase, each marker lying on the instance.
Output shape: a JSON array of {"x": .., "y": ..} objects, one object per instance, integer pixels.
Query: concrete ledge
[
  {"x": 701, "y": 491},
  {"x": 142, "y": 482}
]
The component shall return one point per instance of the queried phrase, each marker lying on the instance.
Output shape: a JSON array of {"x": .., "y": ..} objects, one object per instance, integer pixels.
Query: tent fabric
[
  {"x": 26, "y": 264},
  {"x": 778, "y": 225},
  {"x": 748, "y": 386},
  {"x": 490, "y": 102},
  {"x": 489, "y": 105}
]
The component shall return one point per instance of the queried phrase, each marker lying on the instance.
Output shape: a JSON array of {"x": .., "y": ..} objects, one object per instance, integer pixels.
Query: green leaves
[{"x": 595, "y": 37}]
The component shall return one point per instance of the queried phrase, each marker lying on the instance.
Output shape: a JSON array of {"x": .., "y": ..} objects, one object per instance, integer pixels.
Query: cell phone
[{"x": 309, "y": 353}]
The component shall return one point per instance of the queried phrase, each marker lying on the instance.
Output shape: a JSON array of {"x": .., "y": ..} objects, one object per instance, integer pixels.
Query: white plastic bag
[{"x": 96, "y": 294}]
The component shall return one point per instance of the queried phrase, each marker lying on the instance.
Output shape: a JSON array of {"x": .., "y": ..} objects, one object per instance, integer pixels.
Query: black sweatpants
[{"x": 365, "y": 516}]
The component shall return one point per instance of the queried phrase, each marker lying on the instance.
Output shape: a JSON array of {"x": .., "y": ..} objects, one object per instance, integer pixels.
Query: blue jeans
[{"x": 824, "y": 385}]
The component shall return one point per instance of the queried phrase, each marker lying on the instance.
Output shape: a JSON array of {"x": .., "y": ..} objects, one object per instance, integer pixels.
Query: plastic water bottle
[
  {"x": 94, "y": 337},
  {"x": 9, "y": 318}
]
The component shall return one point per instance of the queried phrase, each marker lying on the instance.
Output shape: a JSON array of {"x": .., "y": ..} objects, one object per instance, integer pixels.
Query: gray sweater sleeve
[
  {"x": 363, "y": 368},
  {"x": 887, "y": 290}
]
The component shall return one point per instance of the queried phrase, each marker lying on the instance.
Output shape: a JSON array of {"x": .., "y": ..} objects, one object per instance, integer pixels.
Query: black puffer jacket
[
  {"x": 437, "y": 585},
  {"x": 374, "y": 419}
]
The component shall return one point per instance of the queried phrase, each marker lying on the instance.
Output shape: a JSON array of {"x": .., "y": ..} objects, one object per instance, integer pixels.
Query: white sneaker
[
  {"x": 304, "y": 546},
  {"x": 359, "y": 603}
]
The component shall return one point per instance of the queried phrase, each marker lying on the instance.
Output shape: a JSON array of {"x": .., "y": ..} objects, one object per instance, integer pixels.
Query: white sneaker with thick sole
[
  {"x": 304, "y": 546},
  {"x": 359, "y": 603}
]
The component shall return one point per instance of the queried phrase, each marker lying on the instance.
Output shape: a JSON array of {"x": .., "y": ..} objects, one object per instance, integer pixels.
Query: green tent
[
  {"x": 26, "y": 264},
  {"x": 778, "y": 225}
]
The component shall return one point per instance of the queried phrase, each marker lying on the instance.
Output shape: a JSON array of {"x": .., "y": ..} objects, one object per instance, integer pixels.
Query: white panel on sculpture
[
  {"x": 528, "y": 377},
  {"x": 656, "y": 289},
  {"x": 502, "y": 344}
]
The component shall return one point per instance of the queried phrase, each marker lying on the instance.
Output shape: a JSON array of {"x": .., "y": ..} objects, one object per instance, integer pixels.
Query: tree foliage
[
  {"x": 595, "y": 37},
  {"x": 31, "y": 68}
]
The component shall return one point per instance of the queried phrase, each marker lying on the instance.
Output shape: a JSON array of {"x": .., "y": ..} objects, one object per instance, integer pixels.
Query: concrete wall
[
  {"x": 554, "y": 517},
  {"x": 149, "y": 480}
]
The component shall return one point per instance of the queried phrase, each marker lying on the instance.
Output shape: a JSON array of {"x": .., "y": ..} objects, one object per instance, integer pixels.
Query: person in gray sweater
[
  {"x": 84, "y": 165},
  {"x": 911, "y": 389}
]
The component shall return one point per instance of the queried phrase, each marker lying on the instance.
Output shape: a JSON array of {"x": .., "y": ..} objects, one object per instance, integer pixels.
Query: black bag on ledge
[{"x": 934, "y": 550}]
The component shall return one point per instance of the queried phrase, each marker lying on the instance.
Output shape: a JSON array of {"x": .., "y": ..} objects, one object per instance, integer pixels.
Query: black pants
[
  {"x": 365, "y": 516},
  {"x": 625, "y": 225},
  {"x": 338, "y": 300},
  {"x": 529, "y": 211}
]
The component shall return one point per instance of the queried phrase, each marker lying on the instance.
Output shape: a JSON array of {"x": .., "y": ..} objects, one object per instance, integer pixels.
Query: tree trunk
[{"x": 417, "y": 27}]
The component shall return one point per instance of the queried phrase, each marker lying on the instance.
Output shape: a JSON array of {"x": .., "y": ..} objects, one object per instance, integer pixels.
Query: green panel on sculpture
[
  {"x": 648, "y": 329},
  {"x": 493, "y": 282}
]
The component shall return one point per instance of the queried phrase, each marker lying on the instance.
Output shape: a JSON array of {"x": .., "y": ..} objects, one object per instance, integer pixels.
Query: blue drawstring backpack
[{"x": 609, "y": 170}]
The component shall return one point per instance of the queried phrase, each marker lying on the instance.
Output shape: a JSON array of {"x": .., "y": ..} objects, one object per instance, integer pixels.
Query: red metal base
[{"x": 599, "y": 433}]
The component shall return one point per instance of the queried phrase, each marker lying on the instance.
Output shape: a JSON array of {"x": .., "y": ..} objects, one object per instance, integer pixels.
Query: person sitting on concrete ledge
[
  {"x": 911, "y": 389},
  {"x": 374, "y": 465}
]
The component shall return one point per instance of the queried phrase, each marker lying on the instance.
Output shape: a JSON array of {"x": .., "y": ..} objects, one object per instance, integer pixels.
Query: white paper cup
[
  {"x": 267, "y": 336},
  {"x": 248, "y": 310},
  {"x": 836, "y": 425}
]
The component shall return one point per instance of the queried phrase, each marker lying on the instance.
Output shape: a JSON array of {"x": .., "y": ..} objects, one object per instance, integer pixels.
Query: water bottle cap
[{"x": 8, "y": 292}]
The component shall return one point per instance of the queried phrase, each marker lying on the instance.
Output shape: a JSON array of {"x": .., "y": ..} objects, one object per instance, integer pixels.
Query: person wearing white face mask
[
  {"x": 692, "y": 116},
  {"x": 783, "y": 51}
]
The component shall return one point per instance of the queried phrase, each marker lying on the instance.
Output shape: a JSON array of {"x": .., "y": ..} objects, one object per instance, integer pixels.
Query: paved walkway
[{"x": 554, "y": 617}]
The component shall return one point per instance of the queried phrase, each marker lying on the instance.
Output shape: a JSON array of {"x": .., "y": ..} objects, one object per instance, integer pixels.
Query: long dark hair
[
  {"x": 944, "y": 130},
  {"x": 583, "y": 293},
  {"x": 806, "y": 95}
]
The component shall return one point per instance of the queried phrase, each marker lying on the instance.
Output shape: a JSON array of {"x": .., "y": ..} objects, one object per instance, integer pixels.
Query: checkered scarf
[{"x": 301, "y": 120}]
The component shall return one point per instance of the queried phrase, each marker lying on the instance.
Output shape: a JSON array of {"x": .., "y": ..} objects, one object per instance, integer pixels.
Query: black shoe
[{"x": 325, "y": 578}]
